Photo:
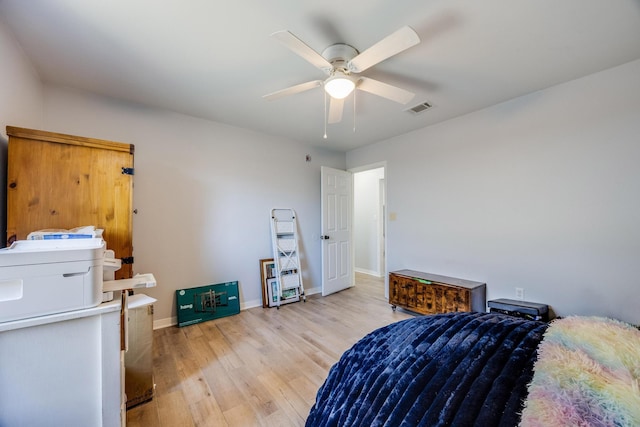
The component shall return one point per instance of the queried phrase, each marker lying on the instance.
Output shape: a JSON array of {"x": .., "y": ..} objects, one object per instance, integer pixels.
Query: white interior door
[{"x": 336, "y": 235}]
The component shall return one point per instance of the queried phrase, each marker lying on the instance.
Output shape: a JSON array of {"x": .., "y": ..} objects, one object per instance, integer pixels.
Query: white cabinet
[{"x": 63, "y": 369}]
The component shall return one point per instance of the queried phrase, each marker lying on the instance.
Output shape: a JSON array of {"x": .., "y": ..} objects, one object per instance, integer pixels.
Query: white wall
[
  {"x": 20, "y": 104},
  {"x": 366, "y": 220},
  {"x": 541, "y": 192},
  {"x": 20, "y": 87},
  {"x": 203, "y": 192}
]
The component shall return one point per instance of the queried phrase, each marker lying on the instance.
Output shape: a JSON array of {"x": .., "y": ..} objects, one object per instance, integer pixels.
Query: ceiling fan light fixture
[{"x": 339, "y": 86}]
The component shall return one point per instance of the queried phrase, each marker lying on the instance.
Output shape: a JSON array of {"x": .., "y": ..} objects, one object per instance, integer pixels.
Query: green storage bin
[{"x": 195, "y": 305}]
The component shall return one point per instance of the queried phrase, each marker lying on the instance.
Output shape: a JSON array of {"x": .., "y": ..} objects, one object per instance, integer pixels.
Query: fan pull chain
[
  {"x": 326, "y": 118},
  {"x": 354, "y": 111}
]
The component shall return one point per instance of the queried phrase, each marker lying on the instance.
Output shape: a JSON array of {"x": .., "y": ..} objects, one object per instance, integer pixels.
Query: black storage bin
[{"x": 523, "y": 309}]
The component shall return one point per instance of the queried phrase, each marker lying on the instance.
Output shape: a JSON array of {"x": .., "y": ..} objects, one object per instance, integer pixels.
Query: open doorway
[{"x": 369, "y": 199}]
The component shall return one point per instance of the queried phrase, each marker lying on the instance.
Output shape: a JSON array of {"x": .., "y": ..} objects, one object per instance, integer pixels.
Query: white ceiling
[{"x": 215, "y": 59}]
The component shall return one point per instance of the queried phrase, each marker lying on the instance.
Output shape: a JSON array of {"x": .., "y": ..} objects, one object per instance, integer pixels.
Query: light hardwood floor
[{"x": 261, "y": 367}]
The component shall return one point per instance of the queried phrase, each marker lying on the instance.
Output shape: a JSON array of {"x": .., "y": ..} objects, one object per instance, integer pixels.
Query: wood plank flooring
[{"x": 261, "y": 367}]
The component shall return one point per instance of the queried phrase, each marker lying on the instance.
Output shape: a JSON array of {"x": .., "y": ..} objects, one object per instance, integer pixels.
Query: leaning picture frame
[
  {"x": 272, "y": 291},
  {"x": 267, "y": 271},
  {"x": 286, "y": 295},
  {"x": 290, "y": 295}
]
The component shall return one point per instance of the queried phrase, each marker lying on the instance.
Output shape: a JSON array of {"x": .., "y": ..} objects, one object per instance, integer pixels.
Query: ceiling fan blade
[
  {"x": 301, "y": 48},
  {"x": 385, "y": 90},
  {"x": 335, "y": 110},
  {"x": 292, "y": 90},
  {"x": 391, "y": 45}
]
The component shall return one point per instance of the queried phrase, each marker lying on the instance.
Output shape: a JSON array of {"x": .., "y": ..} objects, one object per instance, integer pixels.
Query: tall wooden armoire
[{"x": 58, "y": 181}]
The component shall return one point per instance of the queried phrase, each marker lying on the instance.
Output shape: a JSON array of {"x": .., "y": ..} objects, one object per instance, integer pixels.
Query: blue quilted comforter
[{"x": 455, "y": 369}]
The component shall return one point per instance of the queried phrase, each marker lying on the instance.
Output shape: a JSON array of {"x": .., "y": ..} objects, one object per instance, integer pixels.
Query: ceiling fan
[{"x": 342, "y": 62}]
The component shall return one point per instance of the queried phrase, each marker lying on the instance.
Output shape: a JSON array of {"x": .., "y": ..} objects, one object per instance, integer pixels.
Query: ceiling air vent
[{"x": 419, "y": 108}]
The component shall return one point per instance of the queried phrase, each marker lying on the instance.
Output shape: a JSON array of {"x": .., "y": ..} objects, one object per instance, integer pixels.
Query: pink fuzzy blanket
[{"x": 587, "y": 374}]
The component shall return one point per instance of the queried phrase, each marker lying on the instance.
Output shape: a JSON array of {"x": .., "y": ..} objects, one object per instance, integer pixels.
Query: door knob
[{"x": 324, "y": 237}]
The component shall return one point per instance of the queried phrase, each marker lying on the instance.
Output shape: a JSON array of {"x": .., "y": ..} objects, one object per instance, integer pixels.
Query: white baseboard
[
  {"x": 250, "y": 304},
  {"x": 165, "y": 323},
  {"x": 312, "y": 291},
  {"x": 369, "y": 272}
]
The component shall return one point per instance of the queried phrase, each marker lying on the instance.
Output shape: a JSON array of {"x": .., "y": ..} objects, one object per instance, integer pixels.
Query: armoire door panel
[{"x": 58, "y": 181}]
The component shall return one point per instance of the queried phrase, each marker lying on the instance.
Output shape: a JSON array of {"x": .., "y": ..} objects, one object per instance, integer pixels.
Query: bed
[{"x": 486, "y": 369}]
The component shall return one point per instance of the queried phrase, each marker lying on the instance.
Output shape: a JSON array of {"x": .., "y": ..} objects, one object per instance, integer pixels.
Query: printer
[{"x": 40, "y": 277}]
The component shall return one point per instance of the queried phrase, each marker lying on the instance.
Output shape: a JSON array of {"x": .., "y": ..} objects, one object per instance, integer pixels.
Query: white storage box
[{"x": 50, "y": 276}]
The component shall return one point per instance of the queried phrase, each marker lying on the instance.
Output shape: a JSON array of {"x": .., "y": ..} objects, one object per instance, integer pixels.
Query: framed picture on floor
[
  {"x": 272, "y": 290},
  {"x": 267, "y": 271},
  {"x": 290, "y": 295},
  {"x": 287, "y": 295}
]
